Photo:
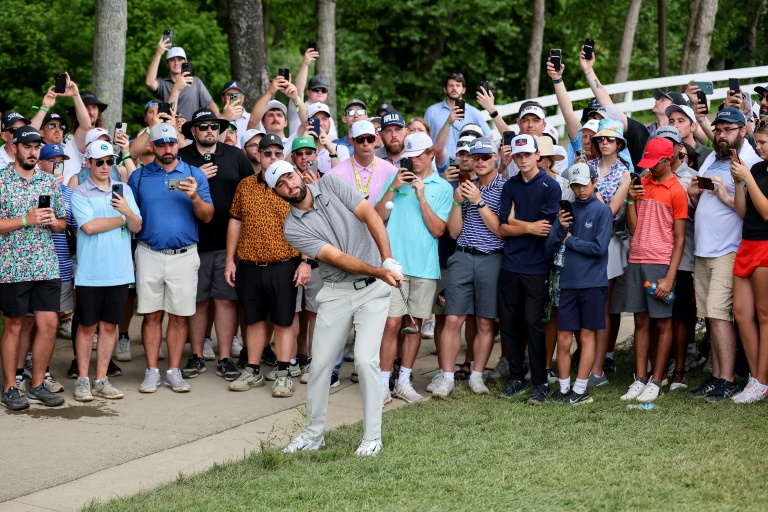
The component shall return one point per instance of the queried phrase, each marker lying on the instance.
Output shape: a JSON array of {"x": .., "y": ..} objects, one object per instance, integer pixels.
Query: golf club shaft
[{"x": 407, "y": 307}]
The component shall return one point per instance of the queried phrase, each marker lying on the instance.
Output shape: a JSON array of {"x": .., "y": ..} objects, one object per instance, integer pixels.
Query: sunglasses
[
  {"x": 601, "y": 139},
  {"x": 304, "y": 152},
  {"x": 109, "y": 161},
  {"x": 762, "y": 122},
  {"x": 484, "y": 158},
  {"x": 54, "y": 126},
  {"x": 370, "y": 139},
  {"x": 356, "y": 112},
  {"x": 268, "y": 153},
  {"x": 320, "y": 90},
  {"x": 203, "y": 127},
  {"x": 683, "y": 154}
]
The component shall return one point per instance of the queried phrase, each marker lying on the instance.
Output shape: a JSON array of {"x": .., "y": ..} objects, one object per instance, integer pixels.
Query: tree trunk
[
  {"x": 662, "y": 37},
  {"x": 627, "y": 42},
  {"x": 247, "y": 48},
  {"x": 326, "y": 43},
  {"x": 701, "y": 23},
  {"x": 110, "y": 26},
  {"x": 535, "y": 50},
  {"x": 755, "y": 10}
]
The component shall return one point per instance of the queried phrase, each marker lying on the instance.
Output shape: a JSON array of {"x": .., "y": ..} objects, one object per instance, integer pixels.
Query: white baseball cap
[
  {"x": 276, "y": 105},
  {"x": 471, "y": 128},
  {"x": 592, "y": 124},
  {"x": 581, "y": 174},
  {"x": 314, "y": 108},
  {"x": 277, "y": 169},
  {"x": 94, "y": 134},
  {"x": 249, "y": 134},
  {"x": 464, "y": 143},
  {"x": 99, "y": 149},
  {"x": 416, "y": 144},
  {"x": 363, "y": 127},
  {"x": 688, "y": 111},
  {"x": 552, "y": 132},
  {"x": 176, "y": 51},
  {"x": 524, "y": 144}
]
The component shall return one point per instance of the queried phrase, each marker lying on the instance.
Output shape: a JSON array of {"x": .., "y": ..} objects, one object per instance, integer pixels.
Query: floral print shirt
[
  {"x": 27, "y": 254},
  {"x": 608, "y": 185}
]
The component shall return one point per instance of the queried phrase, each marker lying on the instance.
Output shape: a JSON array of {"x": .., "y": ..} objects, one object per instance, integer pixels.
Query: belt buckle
[
  {"x": 363, "y": 281},
  {"x": 181, "y": 251},
  {"x": 262, "y": 264}
]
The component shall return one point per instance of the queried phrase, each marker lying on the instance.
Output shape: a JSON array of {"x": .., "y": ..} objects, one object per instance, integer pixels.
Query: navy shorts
[{"x": 582, "y": 308}]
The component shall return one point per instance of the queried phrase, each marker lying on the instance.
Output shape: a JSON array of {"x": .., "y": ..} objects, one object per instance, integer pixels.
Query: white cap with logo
[
  {"x": 274, "y": 171},
  {"x": 416, "y": 144},
  {"x": 99, "y": 149}
]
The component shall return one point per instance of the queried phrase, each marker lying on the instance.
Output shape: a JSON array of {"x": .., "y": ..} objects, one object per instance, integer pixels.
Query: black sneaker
[
  {"x": 41, "y": 395},
  {"x": 557, "y": 396},
  {"x": 578, "y": 399},
  {"x": 195, "y": 366},
  {"x": 512, "y": 388},
  {"x": 303, "y": 361},
  {"x": 226, "y": 368},
  {"x": 705, "y": 388},
  {"x": 242, "y": 361},
  {"x": 113, "y": 370},
  {"x": 72, "y": 373},
  {"x": 268, "y": 356},
  {"x": 723, "y": 390},
  {"x": 609, "y": 366},
  {"x": 13, "y": 400},
  {"x": 539, "y": 394}
]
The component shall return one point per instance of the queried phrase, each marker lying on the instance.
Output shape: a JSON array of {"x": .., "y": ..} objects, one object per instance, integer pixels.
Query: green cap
[{"x": 303, "y": 142}]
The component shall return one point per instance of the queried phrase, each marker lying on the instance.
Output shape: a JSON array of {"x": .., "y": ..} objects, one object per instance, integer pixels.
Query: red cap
[{"x": 655, "y": 150}]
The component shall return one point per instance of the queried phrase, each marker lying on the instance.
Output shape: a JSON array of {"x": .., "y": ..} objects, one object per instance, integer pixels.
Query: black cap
[
  {"x": 202, "y": 115},
  {"x": 392, "y": 118},
  {"x": 25, "y": 135},
  {"x": 233, "y": 84},
  {"x": 354, "y": 101},
  {"x": 318, "y": 81},
  {"x": 678, "y": 98},
  {"x": 270, "y": 139},
  {"x": 12, "y": 117},
  {"x": 385, "y": 108},
  {"x": 51, "y": 116},
  {"x": 592, "y": 106},
  {"x": 88, "y": 98}
]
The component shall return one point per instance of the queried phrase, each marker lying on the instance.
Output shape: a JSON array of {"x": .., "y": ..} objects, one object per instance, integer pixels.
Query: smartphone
[
  {"x": 234, "y": 97},
  {"x": 186, "y": 67},
  {"x": 707, "y": 87},
  {"x": 173, "y": 185},
  {"x": 168, "y": 36},
  {"x": 581, "y": 154},
  {"x": 407, "y": 164},
  {"x": 312, "y": 167},
  {"x": 734, "y": 155},
  {"x": 705, "y": 183},
  {"x": 60, "y": 85},
  {"x": 44, "y": 201},
  {"x": 120, "y": 127},
  {"x": 567, "y": 206},
  {"x": 118, "y": 189},
  {"x": 702, "y": 96},
  {"x": 463, "y": 176},
  {"x": 589, "y": 46},
  {"x": 453, "y": 161},
  {"x": 484, "y": 85},
  {"x": 634, "y": 178},
  {"x": 461, "y": 104},
  {"x": 209, "y": 158},
  {"x": 314, "y": 123},
  {"x": 285, "y": 73},
  {"x": 734, "y": 85},
  {"x": 58, "y": 168},
  {"x": 554, "y": 58},
  {"x": 163, "y": 108},
  {"x": 507, "y": 138},
  {"x": 312, "y": 45}
]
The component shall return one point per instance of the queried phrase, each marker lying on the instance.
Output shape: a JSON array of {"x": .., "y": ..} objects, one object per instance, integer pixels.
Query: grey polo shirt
[
  {"x": 331, "y": 221},
  {"x": 191, "y": 99}
]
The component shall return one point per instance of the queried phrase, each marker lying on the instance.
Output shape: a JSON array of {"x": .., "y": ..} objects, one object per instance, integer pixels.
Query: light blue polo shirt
[
  {"x": 169, "y": 220},
  {"x": 103, "y": 259},
  {"x": 413, "y": 246}
]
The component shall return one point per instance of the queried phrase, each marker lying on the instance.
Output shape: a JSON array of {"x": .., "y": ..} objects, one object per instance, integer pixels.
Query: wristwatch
[
  {"x": 308, "y": 261},
  {"x": 481, "y": 204}
]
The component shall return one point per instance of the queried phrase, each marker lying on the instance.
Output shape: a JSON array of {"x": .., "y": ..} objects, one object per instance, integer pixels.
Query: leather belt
[
  {"x": 476, "y": 252},
  {"x": 261, "y": 264},
  {"x": 352, "y": 285}
]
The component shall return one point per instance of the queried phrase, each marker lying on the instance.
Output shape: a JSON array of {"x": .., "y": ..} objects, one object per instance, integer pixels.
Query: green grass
[{"x": 481, "y": 453}]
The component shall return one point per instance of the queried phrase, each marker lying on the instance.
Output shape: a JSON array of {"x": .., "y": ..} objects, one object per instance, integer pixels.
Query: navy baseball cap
[
  {"x": 481, "y": 146},
  {"x": 11, "y": 117},
  {"x": 25, "y": 135},
  {"x": 730, "y": 115},
  {"x": 52, "y": 151},
  {"x": 232, "y": 84},
  {"x": 392, "y": 118}
]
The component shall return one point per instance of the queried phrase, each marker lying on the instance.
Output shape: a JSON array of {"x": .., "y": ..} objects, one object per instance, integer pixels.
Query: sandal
[{"x": 463, "y": 374}]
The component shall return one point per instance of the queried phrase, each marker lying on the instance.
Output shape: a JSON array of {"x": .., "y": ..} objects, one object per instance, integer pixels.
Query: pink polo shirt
[{"x": 383, "y": 170}]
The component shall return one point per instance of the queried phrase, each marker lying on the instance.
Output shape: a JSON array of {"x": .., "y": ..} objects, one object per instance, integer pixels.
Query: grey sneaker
[
  {"x": 226, "y": 368},
  {"x": 247, "y": 380},
  {"x": 208, "y": 353},
  {"x": 41, "y": 395},
  {"x": 83, "y": 390},
  {"x": 151, "y": 381},
  {"x": 594, "y": 381},
  {"x": 294, "y": 370},
  {"x": 28, "y": 367},
  {"x": 176, "y": 382},
  {"x": 105, "y": 389},
  {"x": 283, "y": 386},
  {"x": 13, "y": 400},
  {"x": 21, "y": 385},
  {"x": 305, "y": 374},
  {"x": 52, "y": 384}
]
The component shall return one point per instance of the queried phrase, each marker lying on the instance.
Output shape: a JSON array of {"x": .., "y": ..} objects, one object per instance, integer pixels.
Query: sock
[
  {"x": 293, "y": 361},
  {"x": 154, "y": 370},
  {"x": 255, "y": 367},
  {"x": 19, "y": 372},
  {"x": 448, "y": 375},
  {"x": 580, "y": 386},
  {"x": 657, "y": 383},
  {"x": 692, "y": 348},
  {"x": 405, "y": 375},
  {"x": 283, "y": 366},
  {"x": 644, "y": 380},
  {"x": 609, "y": 355},
  {"x": 477, "y": 375},
  {"x": 385, "y": 377},
  {"x": 168, "y": 371},
  {"x": 565, "y": 385},
  {"x": 124, "y": 335}
]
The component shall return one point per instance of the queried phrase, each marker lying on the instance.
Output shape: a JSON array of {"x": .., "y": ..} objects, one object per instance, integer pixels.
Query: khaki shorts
[
  {"x": 437, "y": 309},
  {"x": 420, "y": 293},
  {"x": 713, "y": 283},
  {"x": 166, "y": 282}
]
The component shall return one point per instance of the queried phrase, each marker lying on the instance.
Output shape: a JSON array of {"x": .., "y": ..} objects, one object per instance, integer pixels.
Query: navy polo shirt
[
  {"x": 168, "y": 218},
  {"x": 538, "y": 199}
]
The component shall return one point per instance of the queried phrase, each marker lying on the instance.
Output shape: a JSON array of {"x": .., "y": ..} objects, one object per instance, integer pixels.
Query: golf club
[{"x": 415, "y": 328}]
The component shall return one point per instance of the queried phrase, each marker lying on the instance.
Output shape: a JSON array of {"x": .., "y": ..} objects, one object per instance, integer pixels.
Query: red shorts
[{"x": 751, "y": 254}]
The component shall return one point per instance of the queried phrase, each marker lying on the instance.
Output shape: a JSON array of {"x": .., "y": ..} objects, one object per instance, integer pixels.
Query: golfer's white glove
[{"x": 394, "y": 266}]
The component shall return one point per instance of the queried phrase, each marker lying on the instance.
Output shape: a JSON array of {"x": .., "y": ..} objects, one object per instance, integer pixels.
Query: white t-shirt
[
  {"x": 294, "y": 121},
  {"x": 5, "y": 158},
  {"x": 242, "y": 126},
  {"x": 76, "y": 158},
  {"x": 324, "y": 158}
]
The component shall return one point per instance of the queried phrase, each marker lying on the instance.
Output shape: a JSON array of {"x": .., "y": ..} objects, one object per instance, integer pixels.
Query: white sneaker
[
  {"x": 369, "y": 448},
  {"x": 737, "y": 397},
  {"x": 123, "y": 349},
  {"x": 305, "y": 374},
  {"x": 435, "y": 381},
  {"x": 350, "y": 355},
  {"x": 83, "y": 390},
  {"x": 406, "y": 392},
  {"x": 428, "y": 329},
  {"x": 752, "y": 393},
  {"x": 237, "y": 347},
  {"x": 650, "y": 393},
  {"x": 635, "y": 389},
  {"x": 387, "y": 394},
  {"x": 304, "y": 443},
  {"x": 151, "y": 381},
  {"x": 502, "y": 370},
  {"x": 208, "y": 353},
  {"x": 477, "y": 386},
  {"x": 65, "y": 330},
  {"x": 444, "y": 387},
  {"x": 160, "y": 353}
]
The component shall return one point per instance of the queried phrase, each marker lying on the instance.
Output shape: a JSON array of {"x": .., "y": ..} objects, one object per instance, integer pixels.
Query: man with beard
[
  {"x": 271, "y": 113},
  {"x": 331, "y": 221},
  {"x": 11, "y": 121},
  {"x": 249, "y": 141},
  {"x": 763, "y": 93},
  {"x": 174, "y": 198},
  {"x": 683, "y": 118},
  {"x": 717, "y": 237},
  {"x": 224, "y": 166},
  {"x": 393, "y": 133}
]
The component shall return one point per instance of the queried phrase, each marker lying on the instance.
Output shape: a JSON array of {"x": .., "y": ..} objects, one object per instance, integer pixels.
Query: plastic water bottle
[
  {"x": 560, "y": 256},
  {"x": 644, "y": 407},
  {"x": 651, "y": 287}
]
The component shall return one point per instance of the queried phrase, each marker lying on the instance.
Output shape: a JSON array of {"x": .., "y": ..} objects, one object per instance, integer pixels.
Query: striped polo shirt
[
  {"x": 661, "y": 205},
  {"x": 66, "y": 268},
  {"x": 474, "y": 232}
]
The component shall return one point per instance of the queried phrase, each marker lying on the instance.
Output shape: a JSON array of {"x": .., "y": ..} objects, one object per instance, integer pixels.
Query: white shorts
[{"x": 617, "y": 257}]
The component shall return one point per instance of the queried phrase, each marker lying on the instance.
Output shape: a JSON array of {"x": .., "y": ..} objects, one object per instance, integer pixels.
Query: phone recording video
[
  {"x": 554, "y": 58},
  {"x": 705, "y": 183},
  {"x": 407, "y": 164},
  {"x": 589, "y": 46},
  {"x": 60, "y": 84}
]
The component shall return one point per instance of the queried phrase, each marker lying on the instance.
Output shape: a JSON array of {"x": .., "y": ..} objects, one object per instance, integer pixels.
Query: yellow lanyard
[{"x": 363, "y": 190}]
